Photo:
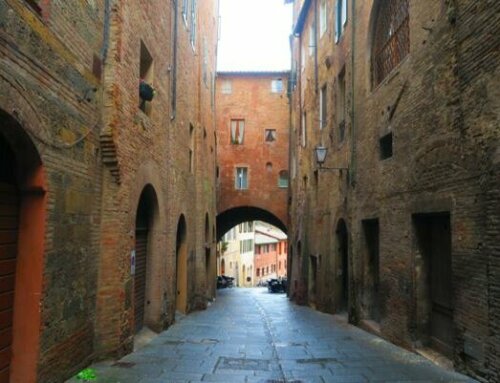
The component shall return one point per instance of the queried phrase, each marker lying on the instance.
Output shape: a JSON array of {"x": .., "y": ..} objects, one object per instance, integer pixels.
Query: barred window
[{"x": 391, "y": 37}]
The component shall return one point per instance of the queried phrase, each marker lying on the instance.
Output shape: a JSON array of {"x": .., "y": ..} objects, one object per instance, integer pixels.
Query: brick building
[
  {"x": 108, "y": 202},
  {"x": 404, "y": 238},
  {"x": 270, "y": 253},
  {"x": 252, "y": 148}
]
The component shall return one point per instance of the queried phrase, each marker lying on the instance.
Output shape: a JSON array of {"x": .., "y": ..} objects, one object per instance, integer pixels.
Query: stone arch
[
  {"x": 234, "y": 216},
  {"x": 148, "y": 185},
  {"x": 181, "y": 265},
  {"x": 23, "y": 203},
  {"x": 147, "y": 260}
]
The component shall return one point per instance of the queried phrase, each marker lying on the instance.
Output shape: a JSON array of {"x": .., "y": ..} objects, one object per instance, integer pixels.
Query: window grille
[{"x": 392, "y": 37}]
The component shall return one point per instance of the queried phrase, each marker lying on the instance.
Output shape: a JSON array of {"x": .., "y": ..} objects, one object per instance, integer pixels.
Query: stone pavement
[{"x": 250, "y": 335}]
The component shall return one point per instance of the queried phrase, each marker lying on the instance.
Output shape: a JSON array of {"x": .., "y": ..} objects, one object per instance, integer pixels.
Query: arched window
[
  {"x": 283, "y": 179},
  {"x": 391, "y": 42}
]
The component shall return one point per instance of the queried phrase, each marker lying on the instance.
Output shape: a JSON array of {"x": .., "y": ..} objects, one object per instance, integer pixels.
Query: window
[
  {"x": 241, "y": 179},
  {"x": 386, "y": 146},
  {"x": 303, "y": 130},
  {"x": 227, "y": 87},
  {"x": 322, "y": 107},
  {"x": 191, "y": 148},
  {"x": 194, "y": 24},
  {"x": 205, "y": 62},
  {"x": 185, "y": 11},
  {"x": 323, "y": 18},
  {"x": 145, "y": 79},
  {"x": 277, "y": 86},
  {"x": 283, "y": 179},
  {"x": 237, "y": 131},
  {"x": 312, "y": 40},
  {"x": 257, "y": 272},
  {"x": 340, "y": 18},
  {"x": 270, "y": 135},
  {"x": 391, "y": 42},
  {"x": 35, "y": 5},
  {"x": 341, "y": 104},
  {"x": 246, "y": 245}
]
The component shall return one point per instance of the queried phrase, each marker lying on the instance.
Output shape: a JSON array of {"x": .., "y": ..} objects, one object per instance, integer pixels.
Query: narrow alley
[{"x": 250, "y": 335}]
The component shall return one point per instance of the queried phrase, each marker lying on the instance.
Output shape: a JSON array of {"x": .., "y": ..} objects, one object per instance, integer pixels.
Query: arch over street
[{"x": 232, "y": 217}]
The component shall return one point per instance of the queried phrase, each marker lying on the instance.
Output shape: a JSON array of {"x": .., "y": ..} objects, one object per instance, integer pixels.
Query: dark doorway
[
  {"x": 342, "y": 268},
  {"x": 182, "y": 264},
  {"x": 371, "y": 263},
  {"x": 142, "y": 225},
  {"x": 313, "y": 276},
  {"x": 434, "y": 281}
]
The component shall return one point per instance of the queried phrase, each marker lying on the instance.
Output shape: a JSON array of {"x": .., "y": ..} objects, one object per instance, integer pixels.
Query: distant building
[{"x": 270, "y": 254}]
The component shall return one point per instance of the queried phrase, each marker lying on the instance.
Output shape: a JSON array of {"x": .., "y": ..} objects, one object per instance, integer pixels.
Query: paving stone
[{"x": 251, "y": 336}]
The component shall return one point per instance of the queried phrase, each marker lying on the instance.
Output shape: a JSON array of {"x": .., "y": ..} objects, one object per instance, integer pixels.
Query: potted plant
[{"x": 146, "y": 91}]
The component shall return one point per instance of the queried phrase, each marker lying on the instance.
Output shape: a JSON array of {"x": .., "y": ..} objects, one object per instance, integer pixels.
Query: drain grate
[
  {"x": 317, "y": 360},
  {"x": 283, "y": 381},
  {"x": 242, "y": 364},
  {"x": 123, "y": 364}
]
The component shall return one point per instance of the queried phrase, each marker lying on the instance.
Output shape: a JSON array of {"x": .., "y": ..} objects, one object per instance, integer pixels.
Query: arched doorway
[
  {"x": 222, "y": 267},
  {"x": 341, "y": 267},
  {"x": 143, "y": 224},
  {"x": 22, "y": 234},
  {"x": 181, "y": 269}
]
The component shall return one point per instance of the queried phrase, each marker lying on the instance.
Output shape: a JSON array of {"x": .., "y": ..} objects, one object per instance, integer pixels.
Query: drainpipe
[
  {"x": 316, "y": 81},
  {"x": 352, "y": 166},
  {"x": 105, "y": 43},
  {"x": 173, "y": 100}
]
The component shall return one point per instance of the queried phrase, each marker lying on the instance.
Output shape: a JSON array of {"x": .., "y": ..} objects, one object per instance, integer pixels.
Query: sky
[{"x": 254, "y": 35}]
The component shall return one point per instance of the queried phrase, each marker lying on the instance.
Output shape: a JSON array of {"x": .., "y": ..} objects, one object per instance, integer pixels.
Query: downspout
[
  {"x": 316, "y": 81},
  {"x": 352, "y": 166},
  {"x": 105, "y": 44},
  {"x": 173, "y": 100}
]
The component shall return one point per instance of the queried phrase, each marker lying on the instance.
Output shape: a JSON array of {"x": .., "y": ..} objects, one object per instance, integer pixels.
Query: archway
[
  {"x": 22, "y": 234},
  {"x": 143, "y": 225},
  {"x": 341, "y": 267},
  {"x": 181, "y": 268},
  {"x": 232, "y": 217}
]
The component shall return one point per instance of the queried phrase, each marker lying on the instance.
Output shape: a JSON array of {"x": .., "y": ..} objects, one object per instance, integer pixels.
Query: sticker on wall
[{"x": 132, "y": 262}]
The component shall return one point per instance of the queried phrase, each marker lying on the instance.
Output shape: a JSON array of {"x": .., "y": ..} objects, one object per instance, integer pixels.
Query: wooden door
[
  {"x": 141, "y": 252},
  {"x": 9, "y": 210},
  {"x": 441, "y": 289},
  {"x": 182, "y": 278}
]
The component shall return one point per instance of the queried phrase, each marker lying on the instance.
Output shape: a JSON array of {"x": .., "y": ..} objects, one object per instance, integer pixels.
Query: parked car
[
  {"x": 224, "y": 281},
  {"x": 276, "y": 285}
]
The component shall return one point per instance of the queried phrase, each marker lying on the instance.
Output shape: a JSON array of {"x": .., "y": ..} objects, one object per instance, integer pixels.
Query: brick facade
[
  {"x": 249, "y": 99},
  {"x": 69, "y": 107},
  {"x": 422, "y": 151}
]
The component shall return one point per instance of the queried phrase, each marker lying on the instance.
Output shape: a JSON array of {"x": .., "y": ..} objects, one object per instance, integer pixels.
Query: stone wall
[{"x": 441, "y": 108}]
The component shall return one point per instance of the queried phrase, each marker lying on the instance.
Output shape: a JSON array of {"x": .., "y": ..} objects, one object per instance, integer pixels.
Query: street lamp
[{"x": 320, "y": 152}]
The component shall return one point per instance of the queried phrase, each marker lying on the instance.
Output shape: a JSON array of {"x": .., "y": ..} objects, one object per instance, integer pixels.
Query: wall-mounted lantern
[{"x": 320, "y": 153}]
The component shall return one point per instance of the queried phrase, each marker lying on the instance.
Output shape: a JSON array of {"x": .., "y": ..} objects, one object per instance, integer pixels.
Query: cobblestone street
[{"x": 250, "y": 335}]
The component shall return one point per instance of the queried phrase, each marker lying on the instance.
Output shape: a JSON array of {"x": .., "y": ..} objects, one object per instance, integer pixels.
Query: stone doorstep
[
  {"x": 436, "y": 358},
  {"x": 143, "y": 337}
]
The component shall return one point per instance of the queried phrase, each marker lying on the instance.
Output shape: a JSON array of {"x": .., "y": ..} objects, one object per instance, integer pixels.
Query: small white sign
[{"x": 132, "y": 262}]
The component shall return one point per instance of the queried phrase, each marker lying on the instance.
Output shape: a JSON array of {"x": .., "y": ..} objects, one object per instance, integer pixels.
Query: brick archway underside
[{"x": 232, "y": 217}]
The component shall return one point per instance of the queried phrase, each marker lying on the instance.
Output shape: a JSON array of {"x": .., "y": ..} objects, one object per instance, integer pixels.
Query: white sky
[{"x": 254, "y": 35}]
